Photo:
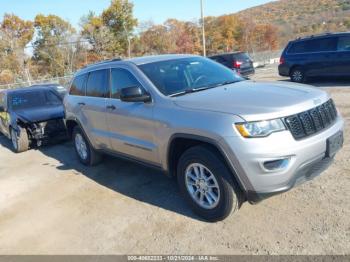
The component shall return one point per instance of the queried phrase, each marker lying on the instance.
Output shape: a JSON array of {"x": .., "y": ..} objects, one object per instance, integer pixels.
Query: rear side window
[
  {"x": 122, "y": 78},
  {"x": 78, "y": 86},
  {"x": 314, "y": 45},
  {"x": 241, "y": 56},
  {"x": 97, "y": 84},
  {"x": 218, "y": 59},
  {"x": 344, "y": 43}
]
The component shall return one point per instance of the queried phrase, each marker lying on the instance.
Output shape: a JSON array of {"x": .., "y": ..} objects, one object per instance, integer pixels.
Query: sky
[{"x": 144, "y": 10}]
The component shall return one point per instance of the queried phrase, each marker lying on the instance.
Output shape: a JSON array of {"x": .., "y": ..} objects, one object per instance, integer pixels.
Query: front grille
[{"x": 310, "y": 122}]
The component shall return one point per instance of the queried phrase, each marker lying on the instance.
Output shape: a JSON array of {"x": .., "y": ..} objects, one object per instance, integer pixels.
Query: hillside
[{"x": 301, "y": 17}]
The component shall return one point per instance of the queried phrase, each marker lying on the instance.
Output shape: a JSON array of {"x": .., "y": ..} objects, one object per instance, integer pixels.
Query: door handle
[
  {"x": 81, "y": 104},
  {"x": 111, "y": 107}
]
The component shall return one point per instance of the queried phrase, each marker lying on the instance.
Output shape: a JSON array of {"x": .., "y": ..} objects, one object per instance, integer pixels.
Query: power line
[{"x": 59, "y": 44}]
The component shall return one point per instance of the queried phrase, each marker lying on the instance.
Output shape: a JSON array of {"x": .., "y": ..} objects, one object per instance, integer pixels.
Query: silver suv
[{"x": 225, "y": 139}]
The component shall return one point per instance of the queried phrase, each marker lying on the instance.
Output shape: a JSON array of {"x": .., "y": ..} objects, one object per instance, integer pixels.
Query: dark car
[
  {"x": 237, "y": 61},
  {"x": 31, "y": 116},
  {"x": 326, "y": 55}
]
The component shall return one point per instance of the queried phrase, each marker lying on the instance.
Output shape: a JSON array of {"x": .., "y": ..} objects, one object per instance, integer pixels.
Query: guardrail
[{"x": 266, "y": 58}]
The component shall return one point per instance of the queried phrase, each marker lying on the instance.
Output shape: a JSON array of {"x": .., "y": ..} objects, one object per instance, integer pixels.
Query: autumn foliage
[{"x": 49, "y": 46}]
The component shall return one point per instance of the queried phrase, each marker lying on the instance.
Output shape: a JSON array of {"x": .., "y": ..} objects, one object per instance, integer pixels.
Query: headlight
[{"x": 261, "y": 128}]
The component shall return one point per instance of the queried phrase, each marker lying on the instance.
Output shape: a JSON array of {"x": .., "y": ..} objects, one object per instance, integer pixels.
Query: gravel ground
[{"x": 50, "y": 204}]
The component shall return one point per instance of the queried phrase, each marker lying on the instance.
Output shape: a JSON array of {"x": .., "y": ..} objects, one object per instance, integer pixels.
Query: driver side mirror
[{"x": 134, "y": 94}]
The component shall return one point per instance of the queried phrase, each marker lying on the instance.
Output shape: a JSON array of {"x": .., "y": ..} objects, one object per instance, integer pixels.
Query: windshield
[
  {"x": 30, "y": 99},
  {"x": 180, "y": 75}
]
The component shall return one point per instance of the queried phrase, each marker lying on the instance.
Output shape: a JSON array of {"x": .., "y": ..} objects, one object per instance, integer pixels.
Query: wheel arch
[{"x": 179, "y": 143}]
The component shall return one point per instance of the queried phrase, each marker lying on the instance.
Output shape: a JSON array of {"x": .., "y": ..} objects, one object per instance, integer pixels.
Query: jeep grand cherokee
[{"x": 226, "y": 140}]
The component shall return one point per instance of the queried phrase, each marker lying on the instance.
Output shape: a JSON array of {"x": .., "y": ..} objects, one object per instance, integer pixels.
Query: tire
[
  {"x": 89, "y": 157},
  {"x": 20, "y": 140},
  {"x": 229, "y": 196},
  {"x": 297, "y": 75}
]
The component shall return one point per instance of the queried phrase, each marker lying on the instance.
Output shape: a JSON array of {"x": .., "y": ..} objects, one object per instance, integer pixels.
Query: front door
[
  {"x": 130, "y": 124},
  {"x": 343, "y": 56}
]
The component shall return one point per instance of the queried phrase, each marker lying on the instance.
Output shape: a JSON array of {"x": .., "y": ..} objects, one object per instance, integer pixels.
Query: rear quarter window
[{"x": 78, "y": 86}]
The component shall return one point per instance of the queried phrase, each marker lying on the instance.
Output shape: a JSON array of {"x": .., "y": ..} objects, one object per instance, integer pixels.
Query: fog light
[{"x": 278, "y": 164}]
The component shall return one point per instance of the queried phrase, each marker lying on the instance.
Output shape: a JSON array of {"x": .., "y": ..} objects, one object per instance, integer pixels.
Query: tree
[
  {"x": 15, "y": 34},
  {"x": 155, "y": 40},
  {"x": 99, "y": 36},
  {"x": 118, "y": 17},
  {"x": 53, "y": 52}
]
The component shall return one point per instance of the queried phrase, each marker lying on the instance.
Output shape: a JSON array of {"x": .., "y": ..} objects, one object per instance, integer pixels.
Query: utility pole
[
  {"x": 203, "y": 30},
  {"x": 129, "y": 41}
]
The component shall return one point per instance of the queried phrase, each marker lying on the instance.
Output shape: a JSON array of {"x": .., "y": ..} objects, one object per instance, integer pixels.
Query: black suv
[
  {"x": 316, "y": 56},
  {"x": 237, "y": 61}
]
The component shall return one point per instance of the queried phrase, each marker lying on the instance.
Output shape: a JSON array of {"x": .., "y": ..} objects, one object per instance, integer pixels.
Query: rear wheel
[
  {"x": 20, "y": 140},
  {"x": 206, "y": 184},
  {"x": 297, "y": 75},
  {"x": 85, "y": 152}
]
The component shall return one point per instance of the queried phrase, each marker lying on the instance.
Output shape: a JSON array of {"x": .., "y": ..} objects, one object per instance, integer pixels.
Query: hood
[
  {"x": 40, "y": 114},
  {"x": 254, "y": 101}
]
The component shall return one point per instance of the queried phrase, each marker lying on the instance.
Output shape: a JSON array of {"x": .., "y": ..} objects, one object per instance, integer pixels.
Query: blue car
[
  {"x": 31, "y": 116},
  {"x": 326, "y": 55}
]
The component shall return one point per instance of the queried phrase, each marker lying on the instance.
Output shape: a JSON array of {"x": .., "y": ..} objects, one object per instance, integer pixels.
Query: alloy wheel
[
  {"x": 202, "y": 185},
  {"x": 81, "y": 146}
]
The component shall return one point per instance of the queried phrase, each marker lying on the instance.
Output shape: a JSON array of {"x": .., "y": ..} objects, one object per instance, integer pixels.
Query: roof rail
[
  {"x": 103, "y": 62},
  {"x": 315, "y": 35}
]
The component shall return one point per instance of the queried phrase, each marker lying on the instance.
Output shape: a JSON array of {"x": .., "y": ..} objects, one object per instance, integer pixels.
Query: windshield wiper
[
  {"x": 186, "y": 91},
  {"x": 193, "y": 90}
]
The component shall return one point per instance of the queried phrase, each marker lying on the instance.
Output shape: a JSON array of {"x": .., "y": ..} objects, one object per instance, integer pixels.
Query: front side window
[
  {"x": 33, "y": 99},
  {"x": 344, "y": 43},
  {"x": 97, "y": 84},
  {"x": 78, "y": 86},
  {"x": 179, "y": 75},
  {"x": 121, "y": 78}
]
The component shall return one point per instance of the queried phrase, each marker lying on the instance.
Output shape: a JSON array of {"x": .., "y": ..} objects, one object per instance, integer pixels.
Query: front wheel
[
  {"x": 20, "y": 140},
  {"x": 207, "y": 185},
  {"x": 85, "y": 152}
]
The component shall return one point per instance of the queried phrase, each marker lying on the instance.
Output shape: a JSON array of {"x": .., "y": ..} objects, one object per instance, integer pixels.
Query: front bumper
[
  {"x": 48, "y": 131},
  {"x": 307, "y": 159},
  {"x": 245, "y": 72}
]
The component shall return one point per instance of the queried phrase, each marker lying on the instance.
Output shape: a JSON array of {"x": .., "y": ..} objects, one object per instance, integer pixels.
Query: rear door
[
  {"x": 130, "y": 124},
  {"x": 343, "y": 56},
  {"x": 93, "y": 108}
]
